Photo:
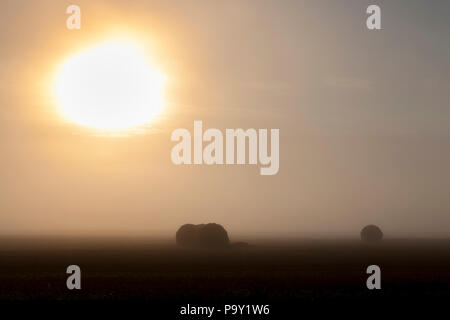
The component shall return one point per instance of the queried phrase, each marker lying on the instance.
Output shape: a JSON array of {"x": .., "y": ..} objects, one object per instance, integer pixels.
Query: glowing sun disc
[{"x": 110, "y": 87}]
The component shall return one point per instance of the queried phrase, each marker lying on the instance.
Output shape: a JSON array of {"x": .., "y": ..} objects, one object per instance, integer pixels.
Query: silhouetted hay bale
[
  {"x": 213, "y": 235},
  {"x": 187, "y": 235},
  {"x": 371, "y": 233},
  {"x": 202, "y": 235}
]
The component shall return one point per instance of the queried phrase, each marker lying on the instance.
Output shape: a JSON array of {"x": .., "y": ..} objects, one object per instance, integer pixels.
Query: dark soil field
[{"x": 290, "y": 276}]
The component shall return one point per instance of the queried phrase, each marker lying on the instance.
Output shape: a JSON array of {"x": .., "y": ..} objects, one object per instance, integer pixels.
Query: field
[{"x": 288, "y": 275}]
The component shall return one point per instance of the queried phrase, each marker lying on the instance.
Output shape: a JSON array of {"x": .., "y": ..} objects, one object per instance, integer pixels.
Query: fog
[{"x": 363, "y": 117}]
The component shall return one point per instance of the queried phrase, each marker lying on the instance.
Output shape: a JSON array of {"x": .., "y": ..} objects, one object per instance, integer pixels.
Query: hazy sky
[{"x": 364, "y": 119}]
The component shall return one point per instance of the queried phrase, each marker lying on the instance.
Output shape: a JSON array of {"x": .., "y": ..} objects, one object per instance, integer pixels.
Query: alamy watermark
[
  {"x": 374, "y": 280},
  {"x": 373, "y": 22},
  {"x": 74, "y": 280},
  {"x": 235, "y": 140},
  {"x": 74, "y": 20}
]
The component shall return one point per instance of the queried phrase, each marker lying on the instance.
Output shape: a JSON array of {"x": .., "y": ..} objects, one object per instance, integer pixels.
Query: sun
[{"x": 111, "y": 86}]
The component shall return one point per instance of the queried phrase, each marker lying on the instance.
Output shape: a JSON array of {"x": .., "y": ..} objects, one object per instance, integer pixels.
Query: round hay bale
[
  {"x": 187, "y": 235},
  {"x": 371, "y": 233},
  {"x": 210, "y": 235},
  {"x": 213, "y": 235}
]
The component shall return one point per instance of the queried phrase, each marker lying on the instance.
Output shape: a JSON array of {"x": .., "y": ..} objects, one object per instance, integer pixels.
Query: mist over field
[
  {"x": 363, "y": 120},
  {"x": 127, "y": 182}
]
